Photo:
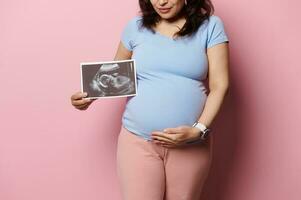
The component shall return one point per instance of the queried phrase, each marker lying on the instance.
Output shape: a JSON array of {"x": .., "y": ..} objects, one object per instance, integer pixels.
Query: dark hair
[{"x": 195, "y": 13}]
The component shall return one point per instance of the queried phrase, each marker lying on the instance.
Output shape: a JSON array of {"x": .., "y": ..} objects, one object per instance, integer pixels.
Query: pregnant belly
[{"x": 161, "y": 104}]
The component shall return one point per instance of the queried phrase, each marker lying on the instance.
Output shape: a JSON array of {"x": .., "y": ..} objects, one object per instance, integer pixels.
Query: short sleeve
[
  {"x": 216, "y": 32},
  {"x": 128, "y": 34}
]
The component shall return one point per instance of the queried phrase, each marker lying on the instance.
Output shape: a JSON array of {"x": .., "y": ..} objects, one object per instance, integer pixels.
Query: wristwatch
[{"x": 204, "y": 131}]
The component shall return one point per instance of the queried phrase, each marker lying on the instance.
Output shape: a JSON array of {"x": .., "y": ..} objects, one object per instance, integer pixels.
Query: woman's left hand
[{"x": 174, "y": 137}]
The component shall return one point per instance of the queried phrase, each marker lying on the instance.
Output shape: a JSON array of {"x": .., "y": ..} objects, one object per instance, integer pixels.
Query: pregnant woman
[{"x": 164, "y": 149}]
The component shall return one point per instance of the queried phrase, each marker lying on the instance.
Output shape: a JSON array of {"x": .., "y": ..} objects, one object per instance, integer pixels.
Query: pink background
[{"x": 49, "y": 150}]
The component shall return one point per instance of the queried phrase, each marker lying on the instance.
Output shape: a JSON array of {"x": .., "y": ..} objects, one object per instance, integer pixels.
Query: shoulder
[
  {"x": 136, "y": 18},
  {"x": 134, "y": 21},
  {"x": 215, "y": 21},
  {"x": 130, "y": 32},
  {"x": 210, "y": 23},
  {"x": 131, "y": 25},
  {"x": 216, "y": 32}
]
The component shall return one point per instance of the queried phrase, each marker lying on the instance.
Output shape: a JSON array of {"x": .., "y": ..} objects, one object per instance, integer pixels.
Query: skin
[
  {"x": 218, "y": 66},
  {"x": 79, "y": 103}
]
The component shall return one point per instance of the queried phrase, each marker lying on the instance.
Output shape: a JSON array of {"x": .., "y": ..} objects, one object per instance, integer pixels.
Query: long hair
[{"x": 195, "y": 13}]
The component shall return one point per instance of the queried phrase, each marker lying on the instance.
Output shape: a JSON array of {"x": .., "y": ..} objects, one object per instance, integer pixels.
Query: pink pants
[{"x": 149, "y": 171}]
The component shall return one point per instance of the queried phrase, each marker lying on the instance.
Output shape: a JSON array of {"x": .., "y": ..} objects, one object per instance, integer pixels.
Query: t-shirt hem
[
  {"x": 221, "y": 40},
  {"x": 136, "y": 133}
]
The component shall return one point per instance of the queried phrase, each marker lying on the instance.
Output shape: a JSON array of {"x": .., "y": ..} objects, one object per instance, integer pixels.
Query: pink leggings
[{"x": 149, "y": 171}]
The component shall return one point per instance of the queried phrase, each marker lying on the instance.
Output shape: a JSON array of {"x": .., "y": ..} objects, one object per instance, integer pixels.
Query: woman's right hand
[{"x": 79, "y": 103}]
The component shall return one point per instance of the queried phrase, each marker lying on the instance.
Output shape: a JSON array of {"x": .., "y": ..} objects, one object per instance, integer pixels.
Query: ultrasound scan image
[{"x": 109, "y": 79}]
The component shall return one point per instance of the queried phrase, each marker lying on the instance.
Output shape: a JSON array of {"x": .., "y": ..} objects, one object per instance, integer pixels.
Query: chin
[{"x": 166, "y": 16}]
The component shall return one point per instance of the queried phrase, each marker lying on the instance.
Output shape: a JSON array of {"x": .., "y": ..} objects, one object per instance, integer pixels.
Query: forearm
[{"x": 212, "y": 106}]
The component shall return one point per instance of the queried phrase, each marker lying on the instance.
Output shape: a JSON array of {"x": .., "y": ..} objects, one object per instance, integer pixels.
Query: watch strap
[{"x": 204, "y": 130}]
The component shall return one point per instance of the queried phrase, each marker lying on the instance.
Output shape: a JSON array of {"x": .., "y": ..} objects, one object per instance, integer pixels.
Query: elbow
[
  {"x": 227, "y": 91},
  {"x": 223, "y": 89}
]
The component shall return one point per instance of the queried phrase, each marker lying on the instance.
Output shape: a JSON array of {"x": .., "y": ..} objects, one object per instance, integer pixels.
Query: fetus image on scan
[{"x": 111, "y": 79}]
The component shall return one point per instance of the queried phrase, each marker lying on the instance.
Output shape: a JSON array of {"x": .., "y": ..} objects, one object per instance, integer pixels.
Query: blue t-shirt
[{"x": 170, "y": 76}]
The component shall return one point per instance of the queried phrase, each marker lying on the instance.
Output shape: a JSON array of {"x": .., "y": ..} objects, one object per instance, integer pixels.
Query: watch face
[{"x": 205, "y": 134}]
